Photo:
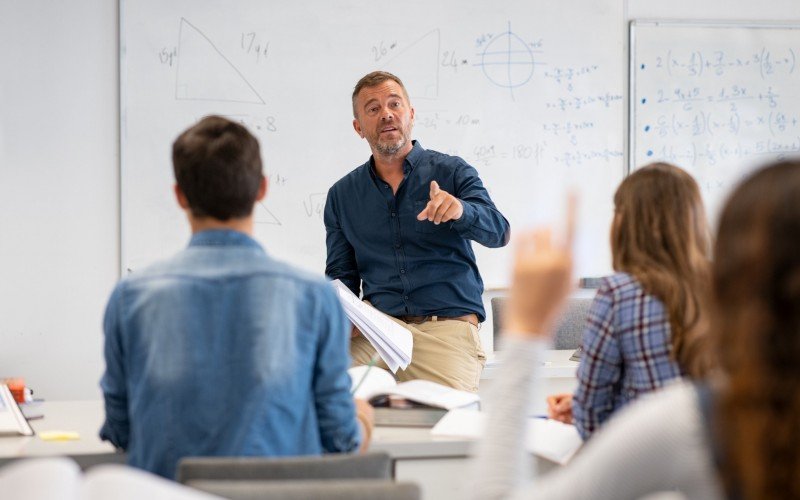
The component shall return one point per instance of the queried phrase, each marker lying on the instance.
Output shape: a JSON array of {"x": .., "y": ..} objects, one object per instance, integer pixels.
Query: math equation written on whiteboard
[{"x": 718, "y": 101}]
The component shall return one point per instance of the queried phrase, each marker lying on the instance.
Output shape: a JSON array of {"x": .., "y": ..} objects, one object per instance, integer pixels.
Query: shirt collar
[
  {"x": 412, "y": 158},
  {"x": 222, "y": 238}
]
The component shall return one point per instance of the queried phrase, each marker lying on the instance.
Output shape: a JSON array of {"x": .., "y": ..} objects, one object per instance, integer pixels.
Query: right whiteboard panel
[{"x": 716, "y": 100}]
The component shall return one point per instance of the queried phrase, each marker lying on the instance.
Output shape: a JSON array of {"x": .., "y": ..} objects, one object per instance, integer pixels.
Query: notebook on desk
[{"x": 415, "y": 403}]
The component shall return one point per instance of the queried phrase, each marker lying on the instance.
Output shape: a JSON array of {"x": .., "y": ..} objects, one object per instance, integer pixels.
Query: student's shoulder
[
  {"x": 155, "y": 270},
  {"x": 620, "y": 286},
  {"x": 678, "y": 398},
  {"x": 299, "y": 278}
]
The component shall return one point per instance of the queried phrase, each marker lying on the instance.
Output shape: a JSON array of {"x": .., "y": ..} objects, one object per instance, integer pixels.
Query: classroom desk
[{"x": 438, "y": 464}]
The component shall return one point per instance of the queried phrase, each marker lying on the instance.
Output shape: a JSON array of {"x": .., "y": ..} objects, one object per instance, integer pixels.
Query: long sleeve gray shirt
[{"x": 657, "y": 444}]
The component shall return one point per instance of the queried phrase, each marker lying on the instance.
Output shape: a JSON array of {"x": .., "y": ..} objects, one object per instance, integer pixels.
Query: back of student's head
[
  {"x": 756, "y": 328},
  {"x": 660, "y": 236},
  {"x": 217, "y": 165}
]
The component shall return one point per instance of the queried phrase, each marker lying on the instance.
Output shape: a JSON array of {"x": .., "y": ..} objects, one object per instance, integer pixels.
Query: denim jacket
[{"x": 222, "y": 350}]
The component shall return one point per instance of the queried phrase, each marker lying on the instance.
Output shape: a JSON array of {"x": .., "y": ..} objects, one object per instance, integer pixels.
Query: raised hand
[{"x": 542, "y": 280}]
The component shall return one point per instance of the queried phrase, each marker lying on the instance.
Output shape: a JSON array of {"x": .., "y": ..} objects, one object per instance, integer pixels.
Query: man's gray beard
[{"x": 390, "y": 149}]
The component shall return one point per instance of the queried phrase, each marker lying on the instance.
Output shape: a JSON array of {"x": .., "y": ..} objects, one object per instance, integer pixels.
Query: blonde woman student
[
  {"x": 641, "y": 325},
  {"x": 737, "y": 437}
]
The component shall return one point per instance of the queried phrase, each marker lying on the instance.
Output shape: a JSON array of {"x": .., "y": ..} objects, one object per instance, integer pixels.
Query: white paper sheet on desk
[
  {"x": 548, "y": 439},
  {"x": 393, "y": 343},
  {"x": 433, "y": 394}
]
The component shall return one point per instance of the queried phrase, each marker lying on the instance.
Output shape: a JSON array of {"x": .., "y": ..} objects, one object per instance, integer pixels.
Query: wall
[
  {"x": 59, "y": 200},
  {"x": 59, "y": 159}
]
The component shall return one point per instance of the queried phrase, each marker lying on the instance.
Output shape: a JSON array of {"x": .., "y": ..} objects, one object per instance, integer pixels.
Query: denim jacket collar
[{"x": 222, "y": 238}]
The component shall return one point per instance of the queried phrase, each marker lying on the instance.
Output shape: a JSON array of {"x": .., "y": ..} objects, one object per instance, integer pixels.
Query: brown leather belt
[{"x": 415, "y": 320}]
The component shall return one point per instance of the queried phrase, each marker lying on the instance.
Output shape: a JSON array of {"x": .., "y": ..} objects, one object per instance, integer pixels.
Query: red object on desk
[{"x": 17, "y": 388}]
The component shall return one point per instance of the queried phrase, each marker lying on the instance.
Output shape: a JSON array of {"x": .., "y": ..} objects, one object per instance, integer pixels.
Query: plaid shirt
[{"x": 626, "y": 351}]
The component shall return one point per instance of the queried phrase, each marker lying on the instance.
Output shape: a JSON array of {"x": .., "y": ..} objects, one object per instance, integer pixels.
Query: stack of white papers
[
  {"x": 546, "y": 438},
  {"x": 392, "y": 342}
]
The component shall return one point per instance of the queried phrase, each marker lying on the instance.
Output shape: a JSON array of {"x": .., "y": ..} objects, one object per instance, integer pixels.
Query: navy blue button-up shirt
[{"x": 411, "y": 267}]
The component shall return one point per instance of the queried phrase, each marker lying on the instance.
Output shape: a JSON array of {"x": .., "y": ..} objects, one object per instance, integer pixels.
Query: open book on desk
[
  {"x": 415, "y": 403},
  {"x": 392, "y": 342},
  {"x": 61, "y": 478},
  {"x": 12, "y": 421}
]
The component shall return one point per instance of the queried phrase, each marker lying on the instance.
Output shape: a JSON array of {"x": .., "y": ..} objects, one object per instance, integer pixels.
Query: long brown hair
[
  {"x": 660, "y": 236},
  {"x": 756, "y": 331}
]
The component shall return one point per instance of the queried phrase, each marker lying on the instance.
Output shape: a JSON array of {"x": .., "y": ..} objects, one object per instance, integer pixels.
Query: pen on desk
[{"x": 371, "y": 363}]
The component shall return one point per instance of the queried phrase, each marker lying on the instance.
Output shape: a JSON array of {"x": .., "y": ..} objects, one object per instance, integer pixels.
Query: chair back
[
  {"x": 361, "y": 489},
  {"x": 334, "y": 466},
  {"x": 570, "y": 327}
]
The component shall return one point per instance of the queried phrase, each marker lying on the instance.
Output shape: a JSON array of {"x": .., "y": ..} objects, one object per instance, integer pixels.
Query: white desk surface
[
  {"x": 83, "y": 417},
  {"x": 86, "y": 417}
]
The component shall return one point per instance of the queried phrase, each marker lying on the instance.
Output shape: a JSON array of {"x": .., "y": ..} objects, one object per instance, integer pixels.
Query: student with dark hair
[
  {"x": 737, "y": 436},
  {"x": 222, "y": 350},
  {"x": 647, "y": 318}
]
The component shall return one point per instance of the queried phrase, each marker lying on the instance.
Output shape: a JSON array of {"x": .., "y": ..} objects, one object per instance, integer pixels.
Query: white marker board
[
  {"x": 716, "y": 99},
  {"x": 513, "y": 87}
]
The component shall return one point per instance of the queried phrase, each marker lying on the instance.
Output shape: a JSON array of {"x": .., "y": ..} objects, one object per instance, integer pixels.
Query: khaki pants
[{"x": 445, "y": 351}]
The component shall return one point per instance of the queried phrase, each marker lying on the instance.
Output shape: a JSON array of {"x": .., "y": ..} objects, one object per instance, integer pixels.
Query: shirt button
[
  {"x": 397, "y": 245},
  {"x": 393, "y": 214},
  {"x": 386, "y": 186},
  {"x": 402, "y": 271},
  {"x": 405, "y": 297}
]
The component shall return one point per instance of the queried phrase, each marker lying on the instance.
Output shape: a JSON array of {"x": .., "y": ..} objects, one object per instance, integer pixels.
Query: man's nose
[{"x": 387, "y": 114}]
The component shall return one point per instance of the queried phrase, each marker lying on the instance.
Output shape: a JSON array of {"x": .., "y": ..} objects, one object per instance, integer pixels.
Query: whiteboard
[
  {"x": 513, "y": 87},
  {"x": 716, "y": 99}
]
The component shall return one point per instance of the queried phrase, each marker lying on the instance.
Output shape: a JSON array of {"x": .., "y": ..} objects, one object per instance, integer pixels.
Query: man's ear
[
  {"x": 262, "y": 189},
  {"x": 357, "y": 128},
  {"x": 182, "y": 200}
]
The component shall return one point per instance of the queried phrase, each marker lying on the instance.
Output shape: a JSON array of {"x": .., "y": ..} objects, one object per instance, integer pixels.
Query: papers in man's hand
[
  {"x": 548, "y": 439},
  {"x": 392, "y": 342},
  {"x": 380, "y": 382}
]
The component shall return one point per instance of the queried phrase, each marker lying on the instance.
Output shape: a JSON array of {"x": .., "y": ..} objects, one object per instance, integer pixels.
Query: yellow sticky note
[{"x": 59, "y": 435}]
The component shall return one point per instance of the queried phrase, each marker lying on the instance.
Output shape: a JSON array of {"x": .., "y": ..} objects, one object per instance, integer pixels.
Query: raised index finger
[{"x": 434, "y": 189}]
